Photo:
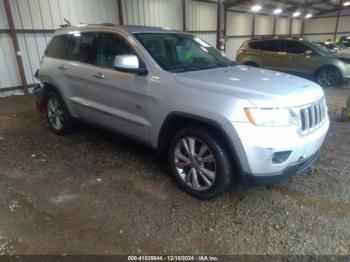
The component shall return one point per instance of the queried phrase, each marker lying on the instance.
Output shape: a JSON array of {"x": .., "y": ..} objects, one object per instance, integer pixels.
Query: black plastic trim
[
  {"x": 251, "y": 180},
  {"x": 200, "y": 119}
]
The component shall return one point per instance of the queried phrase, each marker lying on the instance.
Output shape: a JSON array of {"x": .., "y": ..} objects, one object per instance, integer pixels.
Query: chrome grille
[{"x": 312, "y": 116}]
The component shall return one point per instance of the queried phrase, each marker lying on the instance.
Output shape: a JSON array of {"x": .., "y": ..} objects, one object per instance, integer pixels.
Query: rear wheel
[
  {"x": 57, "y": 114},
  {"x": 328, "y": 76},
  {"x": 200, "y": 163},
  {"x": 252, "y": 64}
]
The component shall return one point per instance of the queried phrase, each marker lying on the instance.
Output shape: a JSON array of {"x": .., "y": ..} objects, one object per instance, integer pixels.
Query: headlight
[{"x": 272, "y": 117}]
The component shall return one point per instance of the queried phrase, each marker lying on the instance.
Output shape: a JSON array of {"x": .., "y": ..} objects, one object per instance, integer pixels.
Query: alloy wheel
[
  {"x": 328, "y": 77},
  {"x": 55, "y": 113},
  {"x": 195, "y": 163}
]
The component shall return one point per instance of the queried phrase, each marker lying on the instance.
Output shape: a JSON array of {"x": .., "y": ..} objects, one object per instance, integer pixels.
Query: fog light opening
[{"x": 280, "y": 157}]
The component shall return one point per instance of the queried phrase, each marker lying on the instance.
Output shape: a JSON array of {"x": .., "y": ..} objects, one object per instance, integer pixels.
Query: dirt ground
[{"x": 95, "y": 193}]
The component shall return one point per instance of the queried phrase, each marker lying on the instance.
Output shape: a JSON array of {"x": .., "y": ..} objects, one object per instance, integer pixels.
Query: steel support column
[
  {"x": 303, "y": 24},
  {"x": 220, "y": 23},
  {"x": 184, "y": 11},
  {"x": 120, "y": 12},
  {"x": 338, "y": 18},
  {"x": 16, "y": 45},
  {"x": 274, "y": 25},
  {"x": 253, "y": 26}
]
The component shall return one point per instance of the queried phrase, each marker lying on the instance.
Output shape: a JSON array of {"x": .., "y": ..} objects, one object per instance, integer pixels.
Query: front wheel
[
  {"x": 328, "y": 76},
  {"x": 200, "y": 163}
]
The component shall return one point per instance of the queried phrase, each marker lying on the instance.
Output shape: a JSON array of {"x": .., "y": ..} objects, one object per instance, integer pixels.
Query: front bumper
[
  {"x": 251, "y": 180},
  {"x": 257, "y": 147}
]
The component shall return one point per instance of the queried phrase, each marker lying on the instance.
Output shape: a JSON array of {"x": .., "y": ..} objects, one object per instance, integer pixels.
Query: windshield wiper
[{"x": 201, "y": 67}]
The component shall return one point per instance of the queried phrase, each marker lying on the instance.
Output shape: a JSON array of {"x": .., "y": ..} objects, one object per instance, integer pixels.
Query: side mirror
[
  {"x": 308, "y": 52},
  {"x": 129, "y": 64}
]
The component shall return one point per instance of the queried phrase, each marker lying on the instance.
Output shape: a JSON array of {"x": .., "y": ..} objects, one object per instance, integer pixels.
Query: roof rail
[{"x": 68, "y": 24}]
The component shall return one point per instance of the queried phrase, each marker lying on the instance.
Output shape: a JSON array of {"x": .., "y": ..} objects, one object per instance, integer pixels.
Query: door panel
[
  {"x": 273, "y": 54},
  {"x": 298, "y": 61},
  {"x": 274, "y": 60},
  {"x": 119, "y": 100}
]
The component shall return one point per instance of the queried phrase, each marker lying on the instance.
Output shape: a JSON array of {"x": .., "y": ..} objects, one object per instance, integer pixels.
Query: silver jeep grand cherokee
[{"x": 216, "y": 120}]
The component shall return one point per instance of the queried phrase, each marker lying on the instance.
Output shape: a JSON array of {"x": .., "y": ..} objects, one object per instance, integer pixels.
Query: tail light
[{"x": 240, "y": 51}]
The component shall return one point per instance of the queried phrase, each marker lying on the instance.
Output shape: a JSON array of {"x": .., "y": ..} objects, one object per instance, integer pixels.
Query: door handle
[
  {"x": 99, "y": 75},
  {"x": 62, "y": 67}
]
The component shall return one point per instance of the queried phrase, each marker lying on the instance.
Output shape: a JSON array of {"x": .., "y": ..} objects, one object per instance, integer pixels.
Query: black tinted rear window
[
  {"x": 58, "y": 47},
  {"x": 255, "y": 45},
  {"x": 295, "y": 47},
  {"x": 273, "y": 45}
]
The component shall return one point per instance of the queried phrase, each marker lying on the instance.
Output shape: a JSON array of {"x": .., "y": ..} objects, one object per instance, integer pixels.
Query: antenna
[{"x": 67, "y": 21}]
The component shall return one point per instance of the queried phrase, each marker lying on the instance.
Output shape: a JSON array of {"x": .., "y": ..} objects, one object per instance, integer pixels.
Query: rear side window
[
  {"x": 82, "y": 48},
  {"x": 255, "y": 45},
  {"x": 58, "y": 47},
  {"x": 295, "y": 47},
  {"x": 273, "y": 46}
]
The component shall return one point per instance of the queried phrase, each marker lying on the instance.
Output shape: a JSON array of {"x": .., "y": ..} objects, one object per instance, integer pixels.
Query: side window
[
  {"x": 294, "y": 47},
  {"x": 273, "y": 45},
  {"x": 82, "y": 48},
  {"x": 58, "y": 47},
  {"x": 255, "y": 45},
  {"x": 109, "y": 46}
]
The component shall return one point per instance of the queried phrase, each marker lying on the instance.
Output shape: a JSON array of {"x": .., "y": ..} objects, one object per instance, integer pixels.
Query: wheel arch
[
  {"x": 251, "y": 63},
  {"x": 176, "y": 120},
  {"x": 328, "y": 65}
]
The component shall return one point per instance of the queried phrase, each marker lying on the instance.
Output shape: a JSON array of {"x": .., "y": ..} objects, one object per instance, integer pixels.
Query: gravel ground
[{"x": 95, "y": 193}]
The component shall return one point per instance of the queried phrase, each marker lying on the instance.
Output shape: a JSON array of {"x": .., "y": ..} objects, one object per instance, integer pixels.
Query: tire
[
  {"x": 252, "y": 64},
  {"x": 212, "y": 178},
  {"x": 328, "y": 76},
  {"x": 57, "y": 114}
]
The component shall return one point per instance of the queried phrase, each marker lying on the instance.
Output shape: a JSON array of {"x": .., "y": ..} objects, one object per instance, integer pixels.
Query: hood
[
  {"x": 263, "y": 88},
  {"x": 342, "y": 53}
]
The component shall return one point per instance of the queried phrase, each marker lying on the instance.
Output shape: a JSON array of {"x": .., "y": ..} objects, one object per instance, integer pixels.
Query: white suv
[{"x": 217, "y": 120}]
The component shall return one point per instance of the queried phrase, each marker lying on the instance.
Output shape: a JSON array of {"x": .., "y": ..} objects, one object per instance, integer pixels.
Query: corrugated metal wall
[
  {"x": 44, "y": 14},
  {"x": 263, "y": 25},
  {"x": 8, "y": 67},
  {"x": 49, "y": 14},
  {"x": 320, "y": 25},
  {"x": 238, "y": 28},
  {"x": 233, "y": 45},
  {"x": 344, "y": 24},
  {"x": 321, "y": 29},
  {"x": 282, "y": 26},
  {"x": 164, "y": 13},
  {"x": 210, "y": 38},
  {"x": 239, "y": 24},
  {"x": 321, "y": 37},
  {"x": 3, "y": 20},
  {"x": 201, "y": 16},
  {"x": 296, "y": 26}
]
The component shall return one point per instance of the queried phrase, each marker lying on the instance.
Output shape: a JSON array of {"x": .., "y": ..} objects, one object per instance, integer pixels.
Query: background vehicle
[
  {"x": 175, "y": 92},
  {"x": 344, "y": 44},
  {"x": 299, "y": 56},
  {"x": 334, "y": 47}
]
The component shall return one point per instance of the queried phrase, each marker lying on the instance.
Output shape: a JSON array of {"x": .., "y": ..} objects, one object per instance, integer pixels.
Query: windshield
[
  {"x": 329, "y": 45},
  {"x": 320, "y": 48},
  {"x": 182, "y": 52},
  {"x": 345, "y": 44}
]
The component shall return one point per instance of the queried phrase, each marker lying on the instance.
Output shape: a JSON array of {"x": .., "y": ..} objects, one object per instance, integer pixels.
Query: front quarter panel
[{"x": 169, "y": 96}]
